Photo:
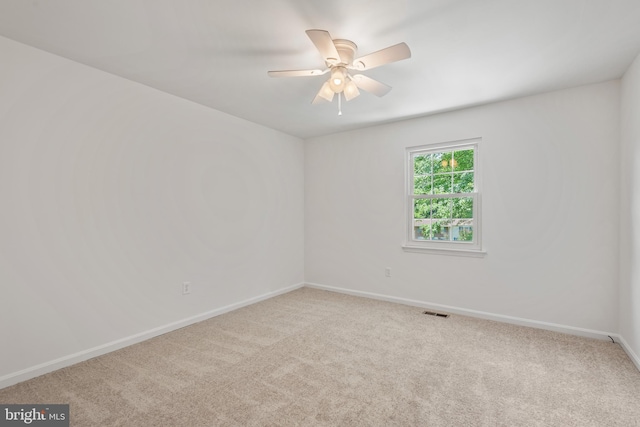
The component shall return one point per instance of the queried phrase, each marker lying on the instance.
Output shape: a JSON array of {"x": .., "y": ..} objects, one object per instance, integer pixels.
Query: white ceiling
[{"x": 218, "y": 52}]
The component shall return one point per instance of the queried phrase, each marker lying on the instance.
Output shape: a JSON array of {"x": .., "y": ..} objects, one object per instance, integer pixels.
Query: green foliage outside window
[{"x": 444, "y": 218}]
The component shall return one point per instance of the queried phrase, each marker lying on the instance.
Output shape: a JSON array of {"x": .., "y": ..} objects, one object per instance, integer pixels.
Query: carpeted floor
[{"x": 313, "y": 357}]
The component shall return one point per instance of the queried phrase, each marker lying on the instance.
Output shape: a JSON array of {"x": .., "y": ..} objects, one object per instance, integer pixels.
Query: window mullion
[{"x": 442, "y": 196}]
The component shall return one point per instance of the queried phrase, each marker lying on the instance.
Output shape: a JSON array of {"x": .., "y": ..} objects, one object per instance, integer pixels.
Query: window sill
[{"x": 474, "y": 253}]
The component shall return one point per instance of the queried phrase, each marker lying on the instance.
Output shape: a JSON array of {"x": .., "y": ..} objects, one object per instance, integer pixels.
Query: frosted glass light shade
[
  {"x": 337, "y": 80},
  {"x": 326, "y": 92},
  {"x": 350, "y": 90}
]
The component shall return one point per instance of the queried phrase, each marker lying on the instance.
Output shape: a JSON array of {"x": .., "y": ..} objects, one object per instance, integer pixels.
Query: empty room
[{"x": 292, "y": 213}]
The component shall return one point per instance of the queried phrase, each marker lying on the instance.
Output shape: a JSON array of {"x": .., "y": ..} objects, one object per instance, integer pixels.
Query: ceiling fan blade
[
  {"x": 324, "y": 94},
  {"x": 371, "y": 85},
  {"x": 390, "y": 54},
  {"x": 296, "y": 73},
  {"x": 324, "y": 44}
]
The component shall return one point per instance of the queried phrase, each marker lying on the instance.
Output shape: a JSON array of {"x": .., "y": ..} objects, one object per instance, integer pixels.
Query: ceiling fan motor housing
[{"x": 346, "y": 49}]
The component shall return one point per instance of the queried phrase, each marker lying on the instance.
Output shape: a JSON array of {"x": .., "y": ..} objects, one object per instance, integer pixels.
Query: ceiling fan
[{"x": 339, "y": 59}]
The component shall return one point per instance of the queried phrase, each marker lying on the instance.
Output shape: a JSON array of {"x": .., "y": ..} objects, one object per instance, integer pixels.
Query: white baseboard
[
  {"x": 627, "y": 348},
  {"x": 472, "y": 313},
  {"x": 62, "y": 362}
]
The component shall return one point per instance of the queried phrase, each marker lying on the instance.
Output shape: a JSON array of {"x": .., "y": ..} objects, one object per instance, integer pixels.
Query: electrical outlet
[
  {"x": 186, "y": 288},
  {"x": 387, "y": 271}
]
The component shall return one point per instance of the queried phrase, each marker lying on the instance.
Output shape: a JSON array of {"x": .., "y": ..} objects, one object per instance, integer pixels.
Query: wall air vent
[{"x": 433, "y": 313}]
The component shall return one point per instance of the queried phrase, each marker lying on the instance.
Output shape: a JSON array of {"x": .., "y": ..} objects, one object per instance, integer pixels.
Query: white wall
[
  {"x": 112, "y": 194},
  {"x": 630, "y": 211},
  {"x": 550, "y": 210}
]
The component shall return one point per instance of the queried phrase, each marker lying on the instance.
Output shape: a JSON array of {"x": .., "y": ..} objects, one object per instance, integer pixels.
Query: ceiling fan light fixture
[
  {"x": 326, "y": 92},
  {"x": 338, "y": 77},
  {"x": 350, "y": 90}
]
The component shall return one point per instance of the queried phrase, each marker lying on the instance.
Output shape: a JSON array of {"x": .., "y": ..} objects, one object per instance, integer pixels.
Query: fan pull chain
[{"x": 339, "y": 103}]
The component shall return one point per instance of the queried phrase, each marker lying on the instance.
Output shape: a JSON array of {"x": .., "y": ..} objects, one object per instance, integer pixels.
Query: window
[{"x": 443, "y": 198}]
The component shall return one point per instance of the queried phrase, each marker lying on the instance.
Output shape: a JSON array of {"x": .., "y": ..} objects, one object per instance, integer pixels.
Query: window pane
[
  {"x": 442, "y": 184},
  {"x": 463, "y": 208},
  {"x": 463, "y": 182},
  {"x": 422, "y": 164},
  {"x": 441, "y": 208},
  {"x": 422, "y": 185},
  {"x": 462, "y": 233},
  {"x": 441, "y": 230},
  {"x": 463, "y": 160},
  {"x": 422, "y": 232},
  {"x": 422, "y": 219},
  {"x": 462, "y": 223},
  {"x": 421, "y": 208},
  {"x": 442, "y": 162}
]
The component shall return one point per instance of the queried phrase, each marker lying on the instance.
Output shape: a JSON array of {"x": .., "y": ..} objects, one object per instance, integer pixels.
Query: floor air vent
[{"x": 433, "y": 313}]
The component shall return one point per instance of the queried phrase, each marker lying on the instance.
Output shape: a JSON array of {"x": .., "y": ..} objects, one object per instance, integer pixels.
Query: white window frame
[{"x": 472, "y": 248}]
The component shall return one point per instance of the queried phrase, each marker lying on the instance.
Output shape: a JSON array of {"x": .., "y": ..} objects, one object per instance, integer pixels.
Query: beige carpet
[{"x": 312, "y": 357}]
